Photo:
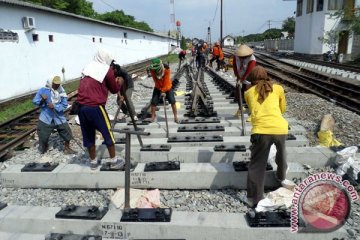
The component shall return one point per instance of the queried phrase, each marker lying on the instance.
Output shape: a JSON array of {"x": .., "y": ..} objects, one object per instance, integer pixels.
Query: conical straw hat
[{"x": 243, "y": 51}]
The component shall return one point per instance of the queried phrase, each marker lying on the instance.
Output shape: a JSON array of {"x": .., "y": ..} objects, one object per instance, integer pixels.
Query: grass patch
[
  {"x": 72, "y": 86},
  {"x": 171, "y": 58},
  {"x": 16, "y": 109}
]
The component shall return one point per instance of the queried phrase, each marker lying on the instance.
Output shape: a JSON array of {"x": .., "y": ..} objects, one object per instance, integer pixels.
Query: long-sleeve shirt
[
  {"x": 266, "y": 118},
  {"x": 47, "y": 115},
  {"x": 93, "y": 93},
  {"x": 164, "y": 84},
  {"x": 216, "y": 51},
  {"x": 243, "y": 67}
]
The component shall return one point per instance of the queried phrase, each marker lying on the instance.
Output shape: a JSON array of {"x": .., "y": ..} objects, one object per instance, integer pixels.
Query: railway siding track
[{"x": 338, "y": 91}]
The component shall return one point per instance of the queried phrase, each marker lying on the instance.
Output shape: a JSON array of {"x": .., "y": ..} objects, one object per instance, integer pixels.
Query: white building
[
  {"x": 314, "y": 21},
  {"x": 229, "y": 41},
  {"x": 36, "y": 42}
]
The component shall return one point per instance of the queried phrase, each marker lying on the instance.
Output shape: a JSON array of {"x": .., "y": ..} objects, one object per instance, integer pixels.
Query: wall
[
  {"x": 309, "y": 28},
  {"x": 25, "y": 64},
  {"x": 356, "y": 47},
  {"x": 274, "y": 44}
]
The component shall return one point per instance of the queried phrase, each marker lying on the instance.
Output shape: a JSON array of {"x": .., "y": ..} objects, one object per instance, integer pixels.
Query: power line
[
  {"x": 107, "y": 4},
  {"x": 217, "y": 5}
]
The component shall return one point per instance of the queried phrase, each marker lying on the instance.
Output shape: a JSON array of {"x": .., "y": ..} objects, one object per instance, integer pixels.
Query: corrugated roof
[{"x": 46, "y": 9}]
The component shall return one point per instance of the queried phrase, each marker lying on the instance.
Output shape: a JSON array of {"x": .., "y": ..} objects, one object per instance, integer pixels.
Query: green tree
[
  {"x": 271, "y": 33},
  {"x": 120, "y": 18},
  {"x": 289, "y": 26},
  {"x": 79, "y": 7},
  {"x": 183, "y": 43}
]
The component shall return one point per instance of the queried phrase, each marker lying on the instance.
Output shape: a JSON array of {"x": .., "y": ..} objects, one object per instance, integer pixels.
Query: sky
[{"x": 240, "y": 17}]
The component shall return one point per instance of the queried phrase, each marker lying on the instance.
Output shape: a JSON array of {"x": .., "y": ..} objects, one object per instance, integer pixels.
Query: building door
[{"x": 343, "y": 41}]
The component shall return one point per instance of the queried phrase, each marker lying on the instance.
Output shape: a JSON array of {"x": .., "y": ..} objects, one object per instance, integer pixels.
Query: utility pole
[
  {"x": 209, "y": 35},
  {"x": 269, "y": 22},
  {"x": 172, "y": 16},
  {"x": 221, "y": 23}
]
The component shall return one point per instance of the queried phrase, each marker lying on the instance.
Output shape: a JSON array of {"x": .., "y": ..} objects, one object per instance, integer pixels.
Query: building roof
[
  {"x": 228, "y": 36},
  {"x": 51, "y": 10}
]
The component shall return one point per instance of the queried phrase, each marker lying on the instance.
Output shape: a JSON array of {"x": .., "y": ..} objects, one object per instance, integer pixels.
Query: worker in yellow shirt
[{"x": 266, "y": 102}]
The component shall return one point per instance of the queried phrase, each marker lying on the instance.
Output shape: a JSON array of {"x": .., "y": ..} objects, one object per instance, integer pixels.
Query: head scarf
[
  {"x": 99, "y": 66},
  {"x": 263, "y": 83},
  {"x": 158, "y": 67},
  {"x": 55, "y": 94}
]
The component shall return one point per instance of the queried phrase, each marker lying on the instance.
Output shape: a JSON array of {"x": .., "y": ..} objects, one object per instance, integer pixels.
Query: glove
[
  {"x": 162, "y": 95},
  {"x": 246, "y": 82}
]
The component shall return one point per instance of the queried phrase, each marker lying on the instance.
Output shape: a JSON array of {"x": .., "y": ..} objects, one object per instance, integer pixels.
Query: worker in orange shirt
[
  {"x": 221, "y": 61},
  {"x": 215, "y": 53},
  {"x": 163, "y": 87}
]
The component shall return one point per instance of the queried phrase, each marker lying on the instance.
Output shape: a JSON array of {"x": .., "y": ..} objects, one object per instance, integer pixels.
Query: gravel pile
[{"x": 306, "y": 108}]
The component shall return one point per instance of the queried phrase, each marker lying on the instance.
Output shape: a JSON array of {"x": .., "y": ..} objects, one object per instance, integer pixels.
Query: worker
[
  {"x": 98, "y": 79},
  {"x": 267, "y": 104},
  {"x": 215, "y": 53},
  {"x": 182, "y": 55},
  {"x": 221, "y": 61},
  {"x": 163, "y": 87},
  {"x": 243, "y": 62},
  {"x": 52, "y": 100},
  {"x": 126, "y": 90},
  {"x": 201, "y": 54}
]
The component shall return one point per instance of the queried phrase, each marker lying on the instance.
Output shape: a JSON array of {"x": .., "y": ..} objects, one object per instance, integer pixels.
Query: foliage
[
  {"x": 330, "y": 39},
  {"x": 351, "y": 17},
  {"x": 120, "y": 18},
  {"x": 289, "y": 26},
  {"x": 79, "y": 7},
  {"x": 183, "y": 43},
  {"x": 268, "y": 34}
]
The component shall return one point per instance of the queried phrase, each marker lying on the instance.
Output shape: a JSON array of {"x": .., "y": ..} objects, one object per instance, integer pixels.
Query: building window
[
  {"x": 35, "y": 37},
  {"x": 335, "y": 4},
  {"x": 310, "y": 6},
  {"x": 125, "y": 35},
  {"x": 100, "y": 40},
  {"x": 320, "y": 5},
  {"x": 8, "y": 36},
  {"x": 51, "y": 38},
  {"x": 93, "y": 39},
  {"x": 299, "y": 8}
]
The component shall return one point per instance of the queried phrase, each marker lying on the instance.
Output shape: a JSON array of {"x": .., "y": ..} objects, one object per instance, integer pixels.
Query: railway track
[
  {"x": 341, "y": 66},
  {"x": 204, "y": 162},
  {"x": 343, "y": 93}
]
